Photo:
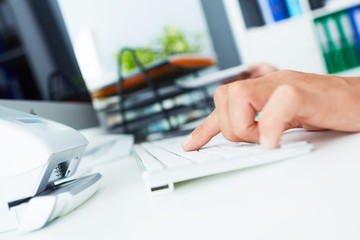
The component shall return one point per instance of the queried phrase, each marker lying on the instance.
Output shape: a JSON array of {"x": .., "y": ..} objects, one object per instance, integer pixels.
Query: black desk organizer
[{"x": 154, "y": 94}]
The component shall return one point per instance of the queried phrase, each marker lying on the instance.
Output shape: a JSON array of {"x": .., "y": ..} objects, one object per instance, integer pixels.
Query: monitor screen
[{"x": 99, "y": 29}]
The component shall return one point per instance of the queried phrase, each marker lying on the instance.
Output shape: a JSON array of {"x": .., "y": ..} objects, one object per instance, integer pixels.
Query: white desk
[{"x": 316, "y": 196}]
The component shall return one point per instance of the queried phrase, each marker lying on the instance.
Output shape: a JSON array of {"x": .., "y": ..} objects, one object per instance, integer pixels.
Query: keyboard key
[
  {"x": 150, "y": 163},
  {"x": 222, "y": 156},
  {"x": 222, "y": 152},
  {"x": 195, "y": 156},
  {"x": 169, "y": 159},
  {"x": 230, "y": 150}
]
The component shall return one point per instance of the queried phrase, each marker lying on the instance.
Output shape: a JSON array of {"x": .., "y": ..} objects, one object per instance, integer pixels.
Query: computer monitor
[
  {"x": 99, "y": 29},
  {"x": 31, "y": 27}
]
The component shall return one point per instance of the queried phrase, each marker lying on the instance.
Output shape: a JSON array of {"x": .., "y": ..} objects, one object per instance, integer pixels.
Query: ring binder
[{"x": 339, "y": 40}]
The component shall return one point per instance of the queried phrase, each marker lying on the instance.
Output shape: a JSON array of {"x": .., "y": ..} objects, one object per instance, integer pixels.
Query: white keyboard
[{"x": 164, "y": 163}]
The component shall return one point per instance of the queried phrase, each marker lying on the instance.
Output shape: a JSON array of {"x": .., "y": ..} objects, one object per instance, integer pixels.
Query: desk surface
[{"x": 315, "y": 196}]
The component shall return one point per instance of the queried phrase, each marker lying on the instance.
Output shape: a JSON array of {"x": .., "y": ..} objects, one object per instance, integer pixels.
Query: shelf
[
  {"x": 161, "y": 73},
  {"x": 144, "y": 121},
  {"x": 149, "y": 96},
  {"x": 146, "y": 98},
  {"x": 336, "y": 6}
]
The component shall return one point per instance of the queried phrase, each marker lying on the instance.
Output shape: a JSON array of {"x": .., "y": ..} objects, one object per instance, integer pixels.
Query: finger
[
  {"x": 242, "y": 113},
  {"x": 243, "y": 75},
  {"x": 255, "y": 71},
  {"x": 221, "y": 100},
  {"x": 285, "y": 104},
  {"x": 261, "y": 69},
  {"x": 202, "y": 134},
  {"x": 312, "y": 128}
]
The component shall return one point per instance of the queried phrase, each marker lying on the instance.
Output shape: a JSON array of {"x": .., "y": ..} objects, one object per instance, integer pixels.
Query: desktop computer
[{"x": 162, "y": 162}]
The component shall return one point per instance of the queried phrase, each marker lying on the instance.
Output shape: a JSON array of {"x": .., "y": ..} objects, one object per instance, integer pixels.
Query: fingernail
[
  {"x": 186, "y": 141},
  {"x": 266, "y": 143}
]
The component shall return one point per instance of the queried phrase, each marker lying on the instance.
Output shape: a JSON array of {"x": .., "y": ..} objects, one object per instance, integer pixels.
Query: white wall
[
  {"x": 118, "y": 23},
  {"x": 289, "y": 44}
]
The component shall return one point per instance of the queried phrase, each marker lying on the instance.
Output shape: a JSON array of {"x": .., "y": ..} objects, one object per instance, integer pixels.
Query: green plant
[{"x": 171, "y": 41}]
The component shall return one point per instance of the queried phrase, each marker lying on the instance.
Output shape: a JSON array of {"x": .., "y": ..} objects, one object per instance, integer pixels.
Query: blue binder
[
  {"x": 265, "y": 10},
  {"x": 294, "y": 7},
  {"x": 354, "y": 14},
  {"x": 279, "y": 9}
]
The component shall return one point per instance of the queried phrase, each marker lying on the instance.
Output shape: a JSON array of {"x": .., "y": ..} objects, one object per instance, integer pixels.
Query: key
[
  {"x": 169, "y": 159},
  {"x": 195, "y": 156},
  {"x": 150, "y": 163}
]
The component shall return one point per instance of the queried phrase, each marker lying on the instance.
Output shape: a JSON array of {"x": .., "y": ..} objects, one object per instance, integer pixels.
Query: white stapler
[{"x": 36, "y": 154}]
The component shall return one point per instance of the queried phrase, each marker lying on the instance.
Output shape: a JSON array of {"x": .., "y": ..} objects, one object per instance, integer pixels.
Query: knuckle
[
  {"x": 237, "y": 89},
  {"x": 281, "y": 74},
  {"x": 220, "y": 93},
  {"x": 286, "y": 73},
  {"x": 233, "y": 90},
  {"x": 289, "y": 92}
]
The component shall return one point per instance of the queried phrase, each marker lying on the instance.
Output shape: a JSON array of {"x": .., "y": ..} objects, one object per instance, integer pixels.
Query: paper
[{"x": 104, "y": 147}]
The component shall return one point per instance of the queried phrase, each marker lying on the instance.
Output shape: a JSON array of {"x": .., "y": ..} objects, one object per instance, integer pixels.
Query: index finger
[{"x": 202, "y": 134}]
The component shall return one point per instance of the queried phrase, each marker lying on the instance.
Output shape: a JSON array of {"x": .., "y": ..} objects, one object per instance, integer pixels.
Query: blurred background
[{"x": 88, "y": 50}]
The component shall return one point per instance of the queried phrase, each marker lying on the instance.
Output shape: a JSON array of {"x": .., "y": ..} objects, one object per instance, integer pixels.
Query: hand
[
  {"x": 286, "y": 99},
  {"x": 257, "y": 70}
]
